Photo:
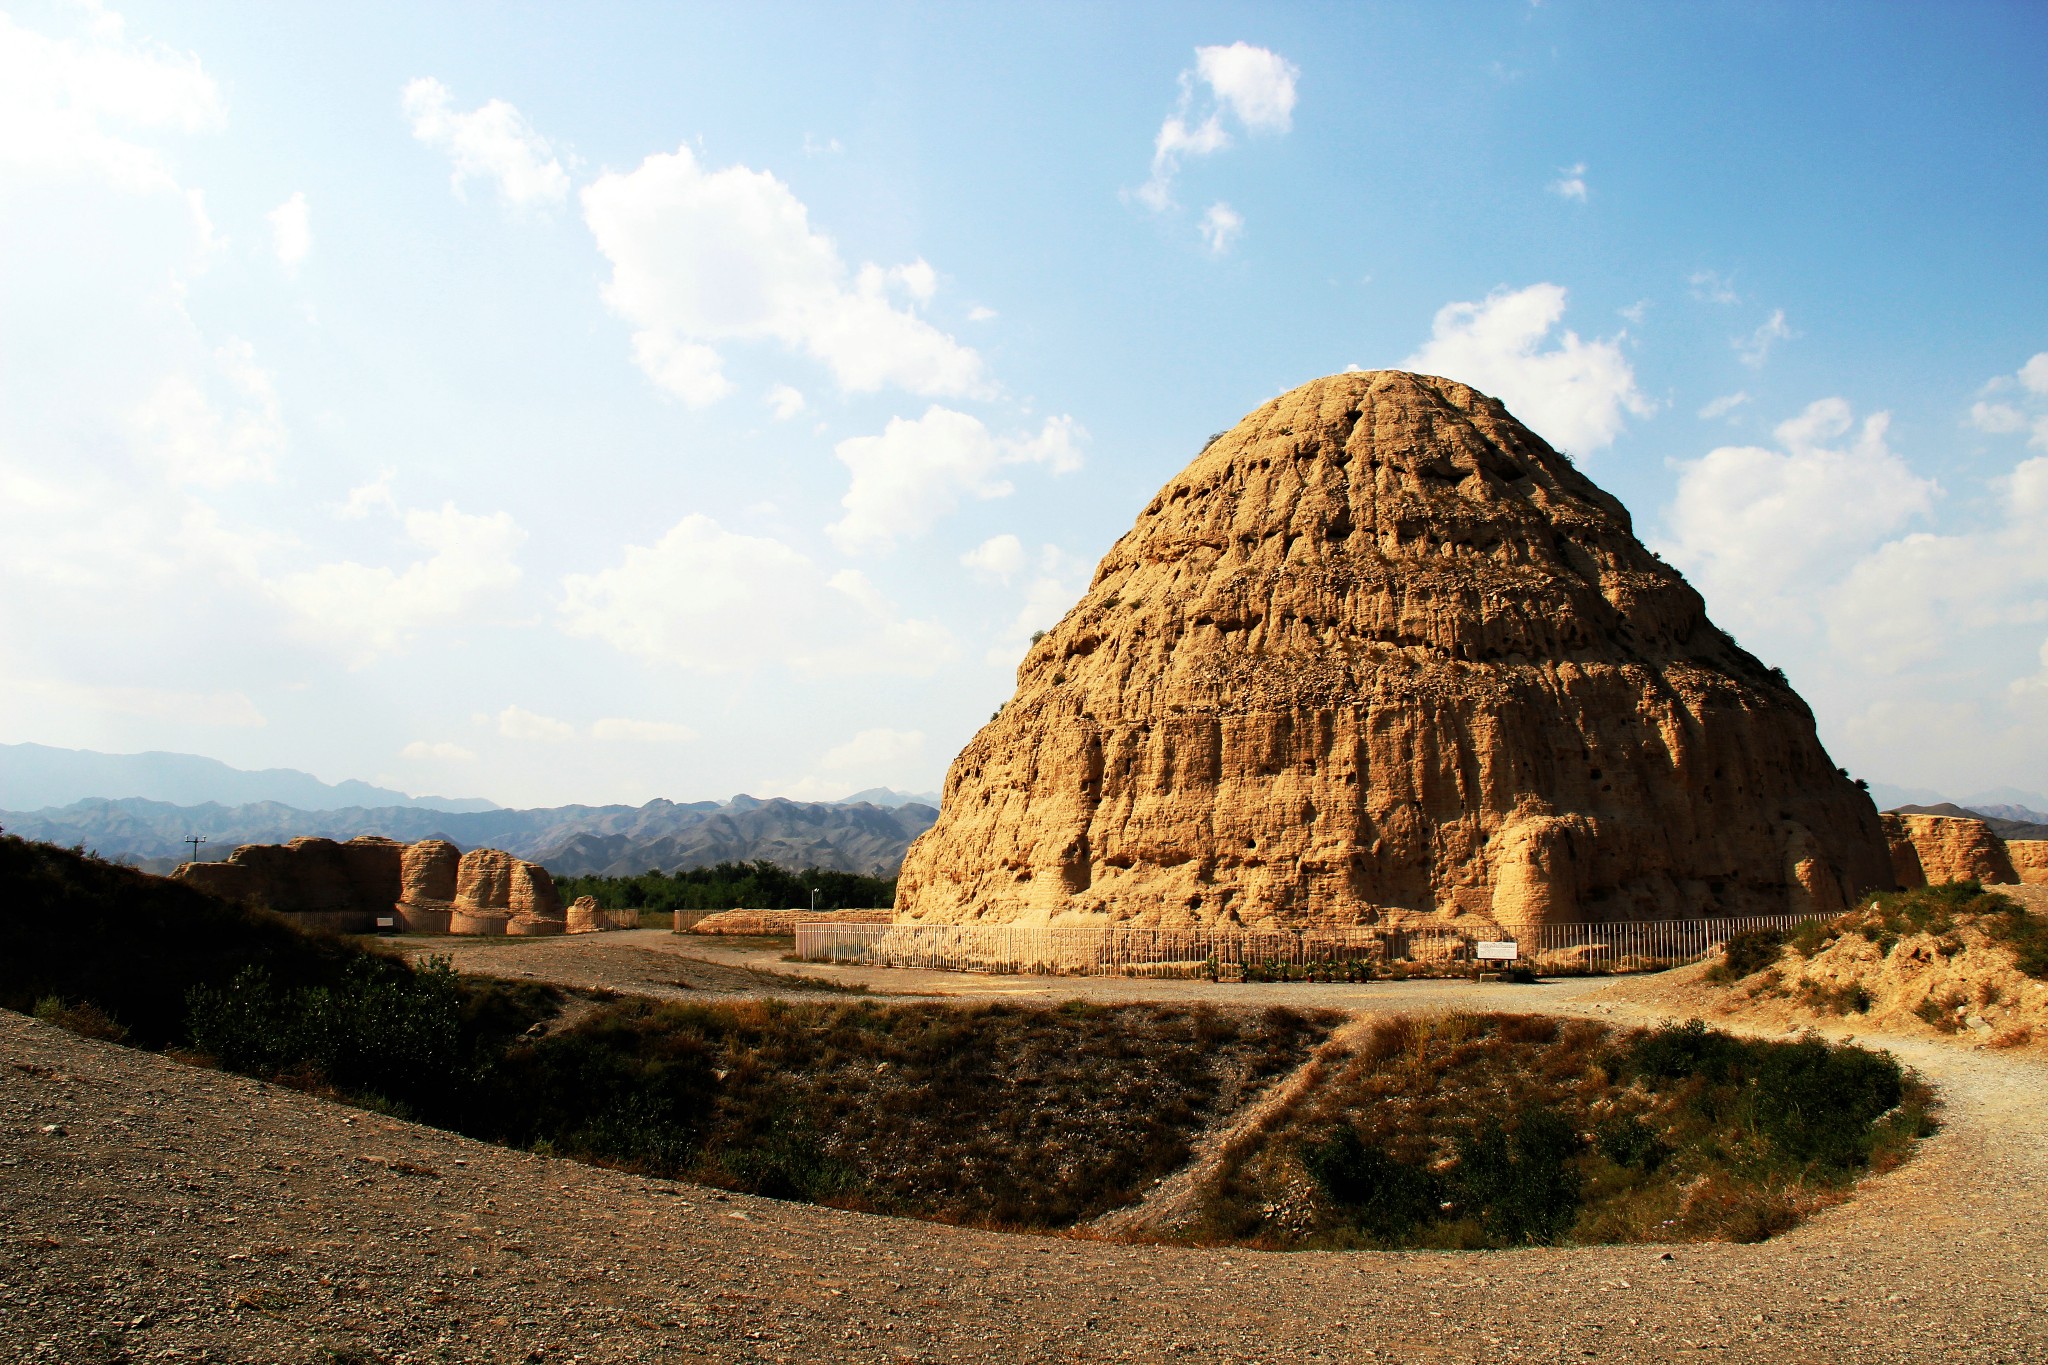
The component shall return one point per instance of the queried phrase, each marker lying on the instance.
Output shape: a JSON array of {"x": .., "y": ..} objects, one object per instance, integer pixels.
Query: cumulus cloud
[
  {"x": 1751, "y": 525},
  {"x": 618, "y": 730},
  {"x": 1574, "y": 392},
  {"x": 997, "y": 559},
  {"x": 516, "y": 722},
  {"x": 367, "y": 610},
  {"x": 917, "y": 471},
  {"x": 291, "y": 231},
  {"x": 785, "y": 402},
  {"x": 214, "y": 709},
  {"x": 710, "y": 600},
  {"x": 1221, "y": 226},
  {"x": 74, "y": 106},
  {"x": 1753, "y": 350},
  {"x": 1057, "y": 582},
  {"x": 1251, "y": 85},
  {"x": 186, "y": 434},
  {"x": 700, "y": 257},
  {"x": 1722, "y": 406},
  {"x": 442, "y": 751},
  {"x": 1570, "y": 183},
  {"x": 492, "y": 142},
  {"x": 872, "y": 751},
  {"x": 2027, "y": 412},
  {"x": 1918, "y": 644}
]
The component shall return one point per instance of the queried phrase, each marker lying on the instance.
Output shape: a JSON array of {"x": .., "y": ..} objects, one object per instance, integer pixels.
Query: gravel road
[{"x": 154, "y": 1211}]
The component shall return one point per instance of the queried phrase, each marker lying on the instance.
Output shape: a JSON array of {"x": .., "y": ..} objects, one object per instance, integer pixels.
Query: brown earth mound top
[{"x": 1380, "y": 651}]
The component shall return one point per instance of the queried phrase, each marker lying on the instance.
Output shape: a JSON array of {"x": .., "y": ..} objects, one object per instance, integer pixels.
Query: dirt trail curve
[{"x": 151, "y": 1211}]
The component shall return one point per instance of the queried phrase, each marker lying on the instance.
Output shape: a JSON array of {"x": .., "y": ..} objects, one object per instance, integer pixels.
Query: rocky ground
[{"x": 154, "y": 1211}]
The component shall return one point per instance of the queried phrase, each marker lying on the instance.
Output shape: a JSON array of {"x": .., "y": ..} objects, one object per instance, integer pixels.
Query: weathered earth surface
[
  {"x": 1931, "y": 849},
  {"x": 426, "y": 887},
  {"x": 1380, "y": 652},
  {"x": 154, "y": 1211}
]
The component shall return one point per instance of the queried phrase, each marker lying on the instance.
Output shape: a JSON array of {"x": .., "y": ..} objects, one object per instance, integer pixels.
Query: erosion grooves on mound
[{"x": 1380, "y": 652}]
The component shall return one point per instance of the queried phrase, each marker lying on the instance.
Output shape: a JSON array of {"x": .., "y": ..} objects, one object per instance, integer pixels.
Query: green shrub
[
  {"x": 1746, "y": 954},
  {"x": 1385, "y": 1197},
  {"x": 1519, "y": 1179}
]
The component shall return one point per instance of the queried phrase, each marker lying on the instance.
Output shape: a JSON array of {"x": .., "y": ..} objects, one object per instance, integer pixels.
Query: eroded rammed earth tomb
[{"x": 1381, "y": 652}]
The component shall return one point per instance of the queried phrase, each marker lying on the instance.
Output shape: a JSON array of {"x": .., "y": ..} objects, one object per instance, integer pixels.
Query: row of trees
[{"x": 730, "y": 886}]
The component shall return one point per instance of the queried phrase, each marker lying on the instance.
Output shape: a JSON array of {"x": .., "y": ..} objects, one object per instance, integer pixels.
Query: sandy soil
[{"x": 153, "y": 1211}]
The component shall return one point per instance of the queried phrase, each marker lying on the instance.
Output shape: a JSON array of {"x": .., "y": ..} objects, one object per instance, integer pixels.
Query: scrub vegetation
[
  {"x": 1497, "y": 1130},
  {"x": 1458, "y": 1131}
]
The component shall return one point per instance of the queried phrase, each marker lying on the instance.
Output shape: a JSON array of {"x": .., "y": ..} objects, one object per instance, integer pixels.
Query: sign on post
[{"x": 1505, "y": 950}]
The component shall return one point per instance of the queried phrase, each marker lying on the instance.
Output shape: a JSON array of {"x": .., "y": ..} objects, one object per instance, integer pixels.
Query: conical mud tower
[{"x": 1380, "y": 652}]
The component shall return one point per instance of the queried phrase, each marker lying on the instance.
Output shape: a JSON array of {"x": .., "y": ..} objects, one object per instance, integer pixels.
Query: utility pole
[{"x": 195, "y": 840}]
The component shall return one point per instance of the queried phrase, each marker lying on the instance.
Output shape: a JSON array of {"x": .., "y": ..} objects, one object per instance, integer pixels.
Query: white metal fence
[{"x": 1047, "y": 950}]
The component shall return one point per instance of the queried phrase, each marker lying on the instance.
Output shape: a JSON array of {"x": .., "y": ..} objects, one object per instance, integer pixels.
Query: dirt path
[{"x": 151, "y": 1211}]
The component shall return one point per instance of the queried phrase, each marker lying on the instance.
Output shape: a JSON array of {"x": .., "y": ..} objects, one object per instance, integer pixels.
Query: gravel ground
[{"x": 154, "y": 1211}]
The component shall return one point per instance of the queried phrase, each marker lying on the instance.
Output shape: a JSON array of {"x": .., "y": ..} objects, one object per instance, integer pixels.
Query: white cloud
[
  {"x": 785, "y": 401},
  {"x": 374, "y": 496},
  {"x": 981, "y": 314},
  {"x": 1221, "y": 226},
  {"x": 1574, "y": 393},
  {"x": 1997, "y": 418},
  {"x": 179, "y": 428},
  {"x": 1570, "y": 183},
  {"x": 364, "y": 611},
  {"x": 917, "y": 471},
  {"x": 873, "y": 751},
  {"x": 72, "y": 106},
  {"x": 217, "y": 709},
  {"x": 1754, "y": 349},
  {"x": 997, "y": 559},
  {"x": 443, "y": 751},
  {"x": 1058, "y": 582},
  {"x": 1252, "y": 84},
  {"x": 1712, "y": 287},
  {"x": 1755, "y": 528},
  {"x": 516, "y": 722},
  {"x": 491, "y": 142},
  {"x": 1722, "y": 406},
  {"x": 700, "y": 257},
  {"x": 2034, "y": 374},
  {"x": 291, "y": 231},
  {"x": 2001, "y": 419},
  {"x": 617, "y": 730},
  {"x": 710, "y": 600}
]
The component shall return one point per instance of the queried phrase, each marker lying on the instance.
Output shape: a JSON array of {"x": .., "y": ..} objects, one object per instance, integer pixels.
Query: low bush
[
  {"x": 1746, "y": 954},
  {"x": 1496, "y": 1130}
]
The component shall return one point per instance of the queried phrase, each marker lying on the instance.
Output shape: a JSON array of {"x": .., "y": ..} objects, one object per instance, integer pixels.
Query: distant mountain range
[
  {"x": 37, "y": 776},
  {"x": 569, "y": 841},
  {"x": 1889, "y": 797}
]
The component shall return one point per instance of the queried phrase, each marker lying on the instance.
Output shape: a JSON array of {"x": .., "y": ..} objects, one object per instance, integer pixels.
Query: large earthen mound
[{"x": 1380, "y": 652}]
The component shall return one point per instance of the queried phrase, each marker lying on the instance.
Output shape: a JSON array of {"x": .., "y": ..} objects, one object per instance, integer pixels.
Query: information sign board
[{"x": 1507, "y": 950}]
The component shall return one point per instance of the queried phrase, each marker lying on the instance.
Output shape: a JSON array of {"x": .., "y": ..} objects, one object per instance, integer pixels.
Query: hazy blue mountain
[
  {"x": 889, "y": 796},
  {"x": 568, "y": 840},
  {"x": 38, "y": 776}
]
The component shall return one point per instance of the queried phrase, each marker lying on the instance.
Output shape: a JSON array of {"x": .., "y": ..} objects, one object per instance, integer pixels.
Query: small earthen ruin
[
  {"x": 430, "y": 887},
  {"x": 1931, "y": 849},
  {"x": 1381, "y": 653}
]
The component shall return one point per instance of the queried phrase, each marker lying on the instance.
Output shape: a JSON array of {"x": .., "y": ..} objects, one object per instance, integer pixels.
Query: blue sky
[{"x": 590, "y": 404}]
